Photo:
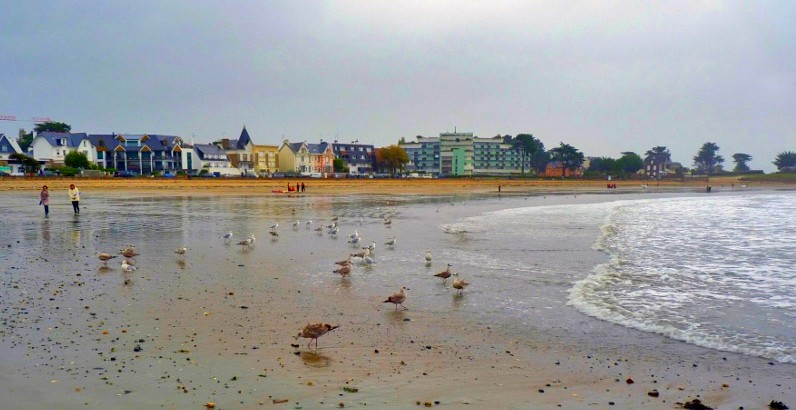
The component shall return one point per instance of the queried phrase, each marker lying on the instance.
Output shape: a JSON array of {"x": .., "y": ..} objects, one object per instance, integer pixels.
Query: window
[{"x": 5, "y": 148}]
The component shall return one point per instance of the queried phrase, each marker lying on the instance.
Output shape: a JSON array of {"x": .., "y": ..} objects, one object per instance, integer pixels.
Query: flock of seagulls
[{"x": 363, "y": 256}]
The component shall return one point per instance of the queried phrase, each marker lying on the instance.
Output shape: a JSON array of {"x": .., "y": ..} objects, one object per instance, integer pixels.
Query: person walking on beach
[
  {"x": 44, "y": 199},
  {"x": 302, "y": 187},
  {"x": 74, "y": 196}
]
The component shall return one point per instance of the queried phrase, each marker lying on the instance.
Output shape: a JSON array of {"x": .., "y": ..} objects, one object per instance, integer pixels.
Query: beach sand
[
  {"x": 251, "y": 186},
  {"x": 217, "y": 328}
]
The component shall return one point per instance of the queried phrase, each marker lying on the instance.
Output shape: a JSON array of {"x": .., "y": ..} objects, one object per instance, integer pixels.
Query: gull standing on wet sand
[
  {"x": 343, "y": 270},
  {"x": 129, "y": 251},
  {"x": 227, "y": 236},
  {"x": 390, "y": 241},
  {"x": 313, "y": 331},
  {"x": 182, "y": 250},
  {"x": 428, "y": 257},
  {"x": 398, "y": 298},
  {"x": 127, "y": 267},
  {"x": 444, "y": 275},
  {"x": 459, "y": 284},
  {"x": 105, "y": 257}
]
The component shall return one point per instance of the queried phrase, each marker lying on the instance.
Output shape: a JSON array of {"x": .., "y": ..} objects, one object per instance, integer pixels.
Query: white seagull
[
  {"x": 127, "y": 267},
  {"x": 227, "y": 236},
  {"x": 390, "y": 241},
  {"x": 182, "y": 250}
]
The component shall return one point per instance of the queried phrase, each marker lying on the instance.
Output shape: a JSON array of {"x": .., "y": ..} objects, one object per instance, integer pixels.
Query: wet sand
[{"x": 217, "y": 327}]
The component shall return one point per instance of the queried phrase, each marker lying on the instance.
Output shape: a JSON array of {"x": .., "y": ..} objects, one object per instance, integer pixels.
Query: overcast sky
[{"x": 603, "y": 76}]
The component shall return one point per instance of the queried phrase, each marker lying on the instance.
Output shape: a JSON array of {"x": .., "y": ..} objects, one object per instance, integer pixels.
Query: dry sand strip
[{"x": 251, "y": 186}]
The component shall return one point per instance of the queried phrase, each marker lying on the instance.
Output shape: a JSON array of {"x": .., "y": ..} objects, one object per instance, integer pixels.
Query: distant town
[{"x": 52, "y": 149}]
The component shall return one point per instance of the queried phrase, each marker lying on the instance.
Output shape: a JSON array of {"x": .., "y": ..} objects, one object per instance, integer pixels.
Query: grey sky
[{"x": 604, "y": 76}]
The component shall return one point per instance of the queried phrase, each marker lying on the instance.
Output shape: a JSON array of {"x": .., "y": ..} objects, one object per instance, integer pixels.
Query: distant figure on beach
[
  {"x": 498, "y": 188},
  {"x": 302, "y": 187},
  {"x": 74, "y": 196},
  {"x": 44, "y": 199}
]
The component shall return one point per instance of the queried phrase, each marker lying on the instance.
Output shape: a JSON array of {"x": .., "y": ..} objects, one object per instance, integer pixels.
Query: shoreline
[{"x": 394, "y": 363}]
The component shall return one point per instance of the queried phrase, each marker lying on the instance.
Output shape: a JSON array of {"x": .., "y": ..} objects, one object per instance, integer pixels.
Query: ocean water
[{"x": 717, "y": 272}]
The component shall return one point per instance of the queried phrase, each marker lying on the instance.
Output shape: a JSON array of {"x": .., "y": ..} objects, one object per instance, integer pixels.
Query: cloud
[{"x": 604, "y": 76}]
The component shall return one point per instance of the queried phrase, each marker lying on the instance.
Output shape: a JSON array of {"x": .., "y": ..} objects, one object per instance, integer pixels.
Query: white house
[
  {"x": 210, "y": 157},
  {"x": 52, "y": 147}
]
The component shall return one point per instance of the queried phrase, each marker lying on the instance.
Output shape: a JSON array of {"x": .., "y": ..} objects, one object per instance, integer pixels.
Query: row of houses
[
  {"x": 450, "y": 154},
  {"x": 144, "y": 154}
]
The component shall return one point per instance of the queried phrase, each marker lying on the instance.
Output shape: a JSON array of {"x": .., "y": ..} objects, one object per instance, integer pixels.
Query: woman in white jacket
[{"x": 74, "y": 196}]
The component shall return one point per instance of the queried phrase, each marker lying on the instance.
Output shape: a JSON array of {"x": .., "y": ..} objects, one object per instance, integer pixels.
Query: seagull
[
  {"x": 428, "y": 256},
  {"x": 388, "y": 221},
  {"x": 246, "y": 243},
  {"x": 182, "y": 250},
  {"x": 313, "y": 331},
  {"x": 274, "y": 233},
  {"x": 319, "y": 229},
  {"x": 444, "y": 275},
  {"x": 127, "y": 267},
  {"x": 362, "y": 253},
  {"x": 105, "y": 257},
  {"x": 368, "y": 260},
  {"x": 296, "y": 224},
  {"x": 390, "y": 241},
  {"x": 251, "y": 236},
  {"x": 129, "y": 251},
  {"x": 354, "y": 235},
  {"x": 308, "y": 223},
  {"x": 334, "y": 231},
  {"x": 274, "y": 226},
  {"x": 227, "y": 236},
  {"x": 344, "y": 262},
  {"x": 335, "y": 218},
  {"x": 343, "y": 270},
  {"x": 459, "y": 284},
  {"x": 372, "y": 246},
  {"x": 355, "y": 240},
  {"x": 398, "y": 298}
]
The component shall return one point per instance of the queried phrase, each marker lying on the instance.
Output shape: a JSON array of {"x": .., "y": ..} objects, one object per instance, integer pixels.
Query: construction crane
[{"x": 35, "y": 120}]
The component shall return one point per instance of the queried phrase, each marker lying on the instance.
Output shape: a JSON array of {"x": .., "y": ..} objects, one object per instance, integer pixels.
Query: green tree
[
  {"x": 28, "y": 163},
  {"x": 24, "y": 139},
  {"x": 740, "y": 162},
  {"x": 602, "y": 165},
  {"x": 569, "y": 156},
  {"x": 402, "y": 141},
  {"x": 393, "y": 158},
  {"x": 76, "y": 159},
  {"x": 52, "y": 126},
  {"x": 659, "y": 154},
  {"x": 629, "y": 163},
  {"x": 785, "y": 159},
  {"x": 339, "y": 165},
  {"x": 707, "y": 160},
  {"x": 532, "y": 150}
]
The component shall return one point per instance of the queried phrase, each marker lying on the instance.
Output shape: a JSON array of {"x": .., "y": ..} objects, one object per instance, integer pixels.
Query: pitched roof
[
  {"x": 107, "y": 140},
  {"x": 243, "y": 140},
  {"x": 209, "y": 149},
  {"x": 53, "y": 138},
  {"x": 317, "y": 149},
  {"x": 13, "y": 143}
]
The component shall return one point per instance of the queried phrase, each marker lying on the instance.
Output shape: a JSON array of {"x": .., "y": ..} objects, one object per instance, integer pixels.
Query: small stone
[
  {"x": 653, "y": 393},
  {"x": 629, "y": 381}
]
